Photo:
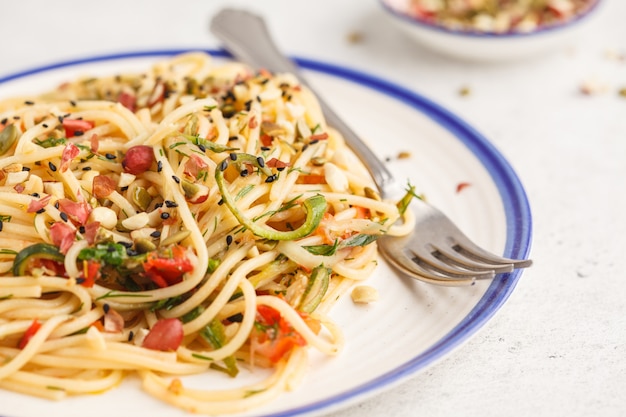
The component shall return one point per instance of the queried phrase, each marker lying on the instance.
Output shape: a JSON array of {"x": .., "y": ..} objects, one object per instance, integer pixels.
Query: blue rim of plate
[
  {"x": 514, "y": 200},
  {"x": 490, "y": 35}
]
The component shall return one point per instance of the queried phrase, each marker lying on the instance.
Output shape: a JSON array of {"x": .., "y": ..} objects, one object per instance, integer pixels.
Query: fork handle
[{"x": 247, "y": 38}]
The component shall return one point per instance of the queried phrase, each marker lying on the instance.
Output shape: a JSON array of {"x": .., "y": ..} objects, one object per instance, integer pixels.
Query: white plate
[{"x": 414, "y": 324}]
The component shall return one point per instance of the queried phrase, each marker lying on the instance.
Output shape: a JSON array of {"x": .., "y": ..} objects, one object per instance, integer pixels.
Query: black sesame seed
[
  {"x": 109, "y": 156},
  {"x": 229, "y": 239},
  {"x": 165, "y": 215},
  {"x": 271, "y": 178},
  {"x": 60, "y": 118},
  {"x": 56, "y": 205},
  {"x": 81, "y": 229},
  {"x": 86, "y": 168},
  {"x": 233, "y": 156},
  {"x": 73, "y": 103},
  {"x": 106, "y": 308},
  {"x": 131, "y": 252},
  {"x": 158, "y": 205},
  {"x": 124, "y": 188},
  {"x": 4, "y": 121},
  {"x": 155, "y": 234},
  {"x": 219, "y": 203},
  {"x": 170, "y": 204},
  {"x": 63, "y": 216},
  {"x": 176, "y": 179},
  {"x": 41, "y": 211},
  {"x": 223, "y": 165},
  {"x": 265, "y": 148},
  {"x": 16, "y": 117},
  {"x": 78, "y": 133},
  {"x": 131, "y": 335},
  {"x": 244, "y": 173},
  {"x": 29, "y": 103},
  {"x": 36, "y": 195},
  {"x": 45, "y": 125},
  {"x": 248, "y": 104},
  {"x": 202, "y": 147},
  {"x": 260, "y": 161},
  {"x": 314, "y": 141},
  {"x": 52, "y": 167},
  {"x": 126, "y": 244},
  {"x": 1, "y": 225},
  {"x": 80, "y": 280},
  {"x": 26, "y": 169},
  {"x": 233, "y": 138},
  {"x": 159, "y": 166}
]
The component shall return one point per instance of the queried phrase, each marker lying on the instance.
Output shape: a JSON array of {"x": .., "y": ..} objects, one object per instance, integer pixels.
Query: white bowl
[{"x": 486, "y": 46}]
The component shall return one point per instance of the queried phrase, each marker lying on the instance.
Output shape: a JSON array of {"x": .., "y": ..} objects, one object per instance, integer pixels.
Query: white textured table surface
[{"x": 558, "y": 347}]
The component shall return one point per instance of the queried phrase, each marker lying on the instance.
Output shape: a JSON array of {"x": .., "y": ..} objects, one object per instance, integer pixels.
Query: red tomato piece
[
  {"x": 167, "y": 267},
  {"x": 274, "y": 336},
  {"x": 76, "y": 127},
  {"x": 138, "y": 159},
  {"x": 91, "y": 272},
  {"x": 29, "y": 333},
  {"x": 165, "y": 335}
]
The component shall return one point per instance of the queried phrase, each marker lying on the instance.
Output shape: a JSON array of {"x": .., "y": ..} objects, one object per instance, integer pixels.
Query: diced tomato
[
  {"x": 362, "y": 212},
  {"x": 138, "y": 159},
  {"x": 91, "y": 272},
  {"x": 165, "y": 335},
  {"x": 35, "y": 205},
  {"x": 70, "y": 152},
  {"x": 78, "y": 212},
  {"x": 273, "y": 336},
  {"x": 62, "y": 235},
  {"x": 29, "y": 333},
  {"x": 103, "y": 186},
  {"x": 167, "y": 267},
  {"x": 74, "y": 126}
]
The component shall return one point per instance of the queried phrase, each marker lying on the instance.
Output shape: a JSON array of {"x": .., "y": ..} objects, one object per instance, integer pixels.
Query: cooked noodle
[{"x": 194, "y": 199}]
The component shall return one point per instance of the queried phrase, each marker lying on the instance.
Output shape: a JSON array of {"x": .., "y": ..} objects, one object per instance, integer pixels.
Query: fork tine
[
  {"x": 423, "y": 255},
  {"x": 468, "y": 248},
  {"x": 452, "y": 256}
]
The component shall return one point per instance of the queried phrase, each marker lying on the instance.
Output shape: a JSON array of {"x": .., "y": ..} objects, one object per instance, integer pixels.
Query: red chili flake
[
  {"x": 276, "y": 163},
  {"x": 36, "y": 205},
  {"x": 266, "y": 139},
  {"x": 70, "y": 152},
  {"x": 78, "y": 212},
  {"x": 29, "y": 333},
  {"x": 91, "y": 231},
  {"x": 461, "y": 186},
  {"x": 253, "y": 123},
  {"x": 95, "y": 143},
  {"x": 103, "y": 186},
  {"x": 72, "y": 126},
  {"x": 62, "y": 235},
  {"x": 319, "y": 136}
]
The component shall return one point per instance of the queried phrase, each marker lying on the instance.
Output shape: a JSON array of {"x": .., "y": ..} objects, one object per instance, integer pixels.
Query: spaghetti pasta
[{"x": 192, "y": 218}]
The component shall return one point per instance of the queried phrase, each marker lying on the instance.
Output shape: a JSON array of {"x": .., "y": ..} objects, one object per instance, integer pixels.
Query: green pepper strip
[
  {"x": 315, "y": 206},
  {"x": 315, "y": 289}
]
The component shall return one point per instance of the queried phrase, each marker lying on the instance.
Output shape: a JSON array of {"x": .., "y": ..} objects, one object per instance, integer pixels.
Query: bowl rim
[{"x": 489, "y": 35}]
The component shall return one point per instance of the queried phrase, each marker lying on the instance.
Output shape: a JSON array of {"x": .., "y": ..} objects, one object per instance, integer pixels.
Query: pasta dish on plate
[{"x": 192, "y": 218}]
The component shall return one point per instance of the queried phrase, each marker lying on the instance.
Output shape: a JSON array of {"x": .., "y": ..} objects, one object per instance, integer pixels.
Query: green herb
[
  {"x": 166, "y": 303},
  {"x": 115, "y": 294},
  {"x": 212, "y": 146},
  {"x": 360, "y": 239},
  {"x": 214, "y": 334},
  {"x": 403, "y": 204},
  {"x": 245, "y": 190},
  {"x": 110, "y": 253},
  {"x": 50, "y": 142}
]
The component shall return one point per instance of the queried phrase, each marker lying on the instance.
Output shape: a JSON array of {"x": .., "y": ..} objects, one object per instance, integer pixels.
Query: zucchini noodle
[{"x": 194, "y": 218}]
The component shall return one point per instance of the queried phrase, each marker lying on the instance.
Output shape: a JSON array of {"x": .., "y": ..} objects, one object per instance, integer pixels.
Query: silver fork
[{"x": 436, "y": 251}]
